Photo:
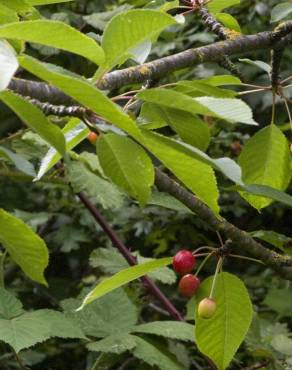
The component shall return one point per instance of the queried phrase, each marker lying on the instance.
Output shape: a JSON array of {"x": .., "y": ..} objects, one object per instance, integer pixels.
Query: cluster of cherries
[{"x": 183, "y": 263}]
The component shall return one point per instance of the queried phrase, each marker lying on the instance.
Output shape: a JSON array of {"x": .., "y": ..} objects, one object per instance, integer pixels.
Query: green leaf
[
  {"x": 188, "y": 126},
  {"x": 8, "y": 64},
  {"x": 204, "y": 88},
  {"x": 20, "y": 163},
  {"x": 17, "y": 5},
  {"x": 110, "y": 261},
  {"x": 103, "y": 317},
  {"x": 196, "y": 175},
  {"x": 167, "y": 201},
  {"x": 46, "y": 2},
  {"x": 100, "y": 190},
  {"x": 127, "y": 30},
  {"x": 74, "y": 132},
  {"x": 55, "y": 34},
  {"x": 220, "y": 336},
  {"x": 152, "y": 353},
  {"x": 231, "y": 110},
  {"x": 267, "y": 192},
  {"x": 228, "y": 21},
  {"x": 282, "y": 344},
  {"x": 127, "y": 165},
  {"x": 280, "y": 241},
  {"x": 35, "y": 119},
  {"x": 222, "y": 80},
  {"x": 123, "y": 277},
  {"x": 257, "y": 63},
  {"x": 281, "y": 11},
  {"x": 216, "y": 6},
  {"x": 116, "y": 343},
  {"x": 279, "y": 300},
  {"x": 270, "y": 148},
  {"x": 30, "y": 328},
  {"x": 10, "y": 306},
  {"x": 7, "y": 15},
  {"x": 82, "y": 91},
  {"x": 25, "y": 247},
  {"x": 169, "y": 329}
]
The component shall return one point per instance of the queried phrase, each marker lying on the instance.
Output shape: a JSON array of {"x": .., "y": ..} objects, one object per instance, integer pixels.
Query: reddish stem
[{"x": 151, "y": 286}]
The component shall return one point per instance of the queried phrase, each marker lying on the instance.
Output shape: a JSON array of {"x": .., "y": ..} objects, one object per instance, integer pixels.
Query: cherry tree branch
[
  {"x": 163, "y": 66},
  {"x": 241, "y": 239}
]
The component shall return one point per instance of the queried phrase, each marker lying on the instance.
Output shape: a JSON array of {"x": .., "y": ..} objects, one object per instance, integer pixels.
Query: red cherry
[
  {"x": 92, "y": 137},
  {"x": 188, "y": 285},
  {"x": 207, "y": 308},
  {"x": 184, "y": 262}
]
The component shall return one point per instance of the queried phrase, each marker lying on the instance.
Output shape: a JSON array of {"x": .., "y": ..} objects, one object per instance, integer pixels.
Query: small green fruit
[{"x": 207, "y": 308}]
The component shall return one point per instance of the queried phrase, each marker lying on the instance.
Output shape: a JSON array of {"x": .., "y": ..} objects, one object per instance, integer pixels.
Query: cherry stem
[
  {"x": 287, "y": 86},
  {"x": 203, "y": 263},
  {"x": 220, "y": 238},
  {"x": 251, "y": 91},
  {"x": 288, "y": 112},
  {"x": 201, "y": 255},
  {"x": 202, "y": 248},
  {"x": 219, "y": 264},
  {"x": 286, "y": 79},
  {"x": 273, "y": 107},
  {"x": 245, "y": 258}
]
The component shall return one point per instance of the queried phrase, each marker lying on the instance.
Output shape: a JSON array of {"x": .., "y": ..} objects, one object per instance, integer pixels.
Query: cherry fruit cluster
[{"x": 183, "y": 263}]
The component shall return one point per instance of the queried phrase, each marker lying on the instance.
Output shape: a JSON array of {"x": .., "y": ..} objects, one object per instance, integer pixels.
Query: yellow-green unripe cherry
[{"x": 207, "y": 308}]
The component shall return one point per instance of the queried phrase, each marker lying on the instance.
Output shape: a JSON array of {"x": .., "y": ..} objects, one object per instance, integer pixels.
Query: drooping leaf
[
  {"x": 169, "y": 329},
  {"x": 231, "y": 110},
  {"x": 123, "y": 277},
  {"x": 127, "y": 165},
  {"x": 35, "y": 119},
  {"x": 281, "y": 11},
  {"x": 116, "y": 343},
  {"x": 196, "y": 175},
  {"x": 82, "y": 91},
  {"x": 103, "y": 317},
  {"x": 20, "y": 163},
  {"x": 8, "y": 64},
  {"x": 220, "y": 336},
  {"x": 25, "y": 247},
  {"x": 55, "y": 34},
  {"x": 266, "y": 152},
  {"x": 99, "y": 189},
  {"x": 127, "y": 30}
]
